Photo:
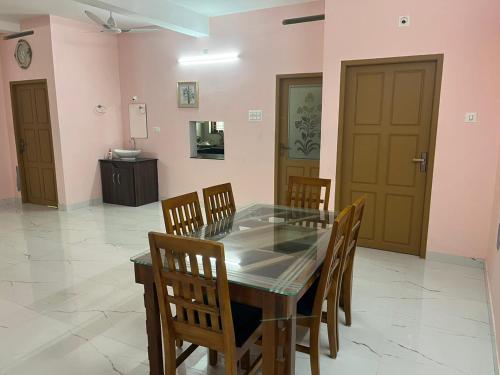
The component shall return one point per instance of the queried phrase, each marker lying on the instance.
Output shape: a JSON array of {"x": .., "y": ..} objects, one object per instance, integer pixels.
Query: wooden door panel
[
  {"x": 386, "y": 124},
  {"x": 314, "y": 172},
  {"x": 49, "y": 184},
  {"x": 407, "y": 97},
  {"x": 369, "y": 98},
  {"x": 31, "y": 146},
  {"x": 365, "y": 158},
  {"x": 398, "y": 213},
  {"x": 34, "y": 139},
  {"x": 41, "y": 106},
  {"x": 34, "y": 184},
  {"x": 25, "y": 107},
  {"x": 401, "y": 171},
  {"x": 44, "y": 137}
]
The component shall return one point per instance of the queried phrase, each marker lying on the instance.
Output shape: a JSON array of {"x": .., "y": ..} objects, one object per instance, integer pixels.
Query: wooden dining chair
[
  {"x": 195, "y": 271},
  {"x": 348, "y": 262},
  {"x": 219, "y": 202},
  {"x": 182, "y": 214},
  {"x": 306, "y": 192},
  {"x": 310, "y": 306}
]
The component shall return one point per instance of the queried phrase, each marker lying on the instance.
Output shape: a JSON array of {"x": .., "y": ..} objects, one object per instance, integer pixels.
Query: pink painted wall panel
[
  {"x": 468, "y": 34},
  {"x": 86, "y": 74},
  {"x": 149, "y": 69},
  {"x": 7, "y": 184}
]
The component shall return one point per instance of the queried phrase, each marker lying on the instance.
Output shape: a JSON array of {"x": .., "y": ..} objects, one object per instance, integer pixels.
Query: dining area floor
[{"x": 69, "y": 303}]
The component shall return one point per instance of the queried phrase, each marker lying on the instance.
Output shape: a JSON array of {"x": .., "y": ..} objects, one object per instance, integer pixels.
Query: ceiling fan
[{"x": 110, "y": 25}]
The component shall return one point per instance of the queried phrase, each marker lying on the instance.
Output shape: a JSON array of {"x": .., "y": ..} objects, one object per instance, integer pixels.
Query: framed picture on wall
[{"x": 187, "y": 95}]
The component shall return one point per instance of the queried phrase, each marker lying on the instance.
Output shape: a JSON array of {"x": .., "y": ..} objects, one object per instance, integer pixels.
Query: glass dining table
[{"x": 273, "y": 255}]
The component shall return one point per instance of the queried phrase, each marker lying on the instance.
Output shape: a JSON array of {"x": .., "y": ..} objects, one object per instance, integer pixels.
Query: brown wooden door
[
  {"x": 34, "y": 142},
  {"x": 388, "y": 111},
  {"x": 298, "y": 134}
]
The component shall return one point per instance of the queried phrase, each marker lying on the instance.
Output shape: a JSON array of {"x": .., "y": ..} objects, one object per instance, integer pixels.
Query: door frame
[
  {"x": 279, "y": 78},
  {"x": 17, "y": 135},
  {"x": 438, "y": 59}
]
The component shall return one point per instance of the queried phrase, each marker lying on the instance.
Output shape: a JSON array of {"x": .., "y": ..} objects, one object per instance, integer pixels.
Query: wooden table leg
[
  {"x": 287, "y": 335},
  {"x": 269, "y": 336},
  {"x": 153, "y": 329},
  {"x": 279, "y": 335}
]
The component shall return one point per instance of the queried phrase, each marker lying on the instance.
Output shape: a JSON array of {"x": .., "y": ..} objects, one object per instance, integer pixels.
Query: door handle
[
  {"x": 422, "y": 160},
  {"x": 119, "y": 182},
  {"x": 114, "y": 175},
  {"x": 283, "y": 148},
  {"x": 22, "y": 146}
]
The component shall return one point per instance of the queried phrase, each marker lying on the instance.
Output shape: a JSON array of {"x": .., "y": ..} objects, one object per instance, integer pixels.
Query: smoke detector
[{"x": 404, "y": 21}]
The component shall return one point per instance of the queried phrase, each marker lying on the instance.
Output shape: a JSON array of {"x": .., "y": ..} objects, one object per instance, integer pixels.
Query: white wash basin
[{"x": 127, "y": 154}]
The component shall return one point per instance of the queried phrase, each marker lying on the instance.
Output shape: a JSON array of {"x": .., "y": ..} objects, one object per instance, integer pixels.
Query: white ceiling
[
  {"x": 186, "y": 16},
  {"x": 213, "y": 8}
]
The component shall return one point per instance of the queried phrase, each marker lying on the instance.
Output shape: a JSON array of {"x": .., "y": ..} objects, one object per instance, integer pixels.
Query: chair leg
[
  {"x": 332, "y": 321},
  {"x": 347, "y": 291},
  {"x": 212, "y": 357},
  {"x": 179, "y": 343},
  {"x": 230, "y": 366},
  {"x": 170, "y": 360},
  {"x": 314, "y": 346}
]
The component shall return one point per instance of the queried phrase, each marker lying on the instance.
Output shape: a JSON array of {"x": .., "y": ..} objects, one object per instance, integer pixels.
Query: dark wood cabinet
[{"x": 129, "y": 183}]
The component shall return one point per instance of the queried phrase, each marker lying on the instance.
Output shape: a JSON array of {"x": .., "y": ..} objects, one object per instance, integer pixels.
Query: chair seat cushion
[
  {"x": 306, "y": 303},
  {"x": 246, "y": 319}
]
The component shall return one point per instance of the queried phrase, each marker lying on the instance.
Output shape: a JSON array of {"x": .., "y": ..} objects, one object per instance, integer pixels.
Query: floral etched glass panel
[{"x": 304, "y": 121}]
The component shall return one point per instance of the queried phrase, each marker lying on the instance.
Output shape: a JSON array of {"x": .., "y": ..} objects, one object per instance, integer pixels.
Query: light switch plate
[
  {"x": 471, "y": 117},
  {"x": 255, "y": 115},
  {"x": 157, "y": 129}
]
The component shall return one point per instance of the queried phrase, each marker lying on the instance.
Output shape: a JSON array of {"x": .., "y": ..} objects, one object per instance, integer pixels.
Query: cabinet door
[
  {"x": 108, "y": 179},
  {"x": 125, "y": 192}
]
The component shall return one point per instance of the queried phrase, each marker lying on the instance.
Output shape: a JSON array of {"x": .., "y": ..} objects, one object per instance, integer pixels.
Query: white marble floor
[{"x": 69, "y": 304}]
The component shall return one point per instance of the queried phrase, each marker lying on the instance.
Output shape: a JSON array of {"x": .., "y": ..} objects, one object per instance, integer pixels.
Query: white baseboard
[
  {"x": 84, "y": 204},
  {"x": 455, "y": 259},
  {"x": 491, "y": 314},
  {"x": 10, "y": 202}
]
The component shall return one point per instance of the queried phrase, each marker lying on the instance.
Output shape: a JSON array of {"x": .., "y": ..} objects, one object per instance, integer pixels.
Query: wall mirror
[
  {"x": 138, "y": 118},
  {"x": 207, "y": 139}
]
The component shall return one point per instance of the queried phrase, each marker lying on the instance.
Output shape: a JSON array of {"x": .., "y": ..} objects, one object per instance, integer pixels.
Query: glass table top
[{"x": 269, "y": 247}]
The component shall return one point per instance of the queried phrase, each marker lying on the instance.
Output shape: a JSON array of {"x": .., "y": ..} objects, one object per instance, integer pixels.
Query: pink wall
[
  {"x": 149, "y": 69},
  {"x": 86, "y": 74},
  {"x": 493, "y": 259},
  {"x": 468, "y": 33},
  {"x": 41, "y": 68},
  {"x": 7, "y": 186},
  {"x": 81, "y": 68}
]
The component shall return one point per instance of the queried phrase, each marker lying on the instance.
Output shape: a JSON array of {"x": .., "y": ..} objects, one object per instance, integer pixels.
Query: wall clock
[{"x": 23, "y": 54}]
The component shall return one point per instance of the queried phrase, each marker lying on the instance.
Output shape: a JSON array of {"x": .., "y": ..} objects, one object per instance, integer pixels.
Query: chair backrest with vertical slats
[
  {"x": 194, "y": 271},
  {"x": 182, "y": 214},
  {"x": 333, "y": 258},
  {"x": 308, "y": 192},
  {"x": 355, "y": 224},
  {"x": 219, "y": 202}
]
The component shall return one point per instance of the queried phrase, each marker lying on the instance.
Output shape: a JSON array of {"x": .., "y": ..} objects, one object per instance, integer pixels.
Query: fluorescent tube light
[{"x": 209, "y": 59}]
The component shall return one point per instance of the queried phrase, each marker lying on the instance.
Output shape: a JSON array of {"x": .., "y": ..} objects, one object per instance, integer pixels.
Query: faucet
[{"x": 132, "y": 142}]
